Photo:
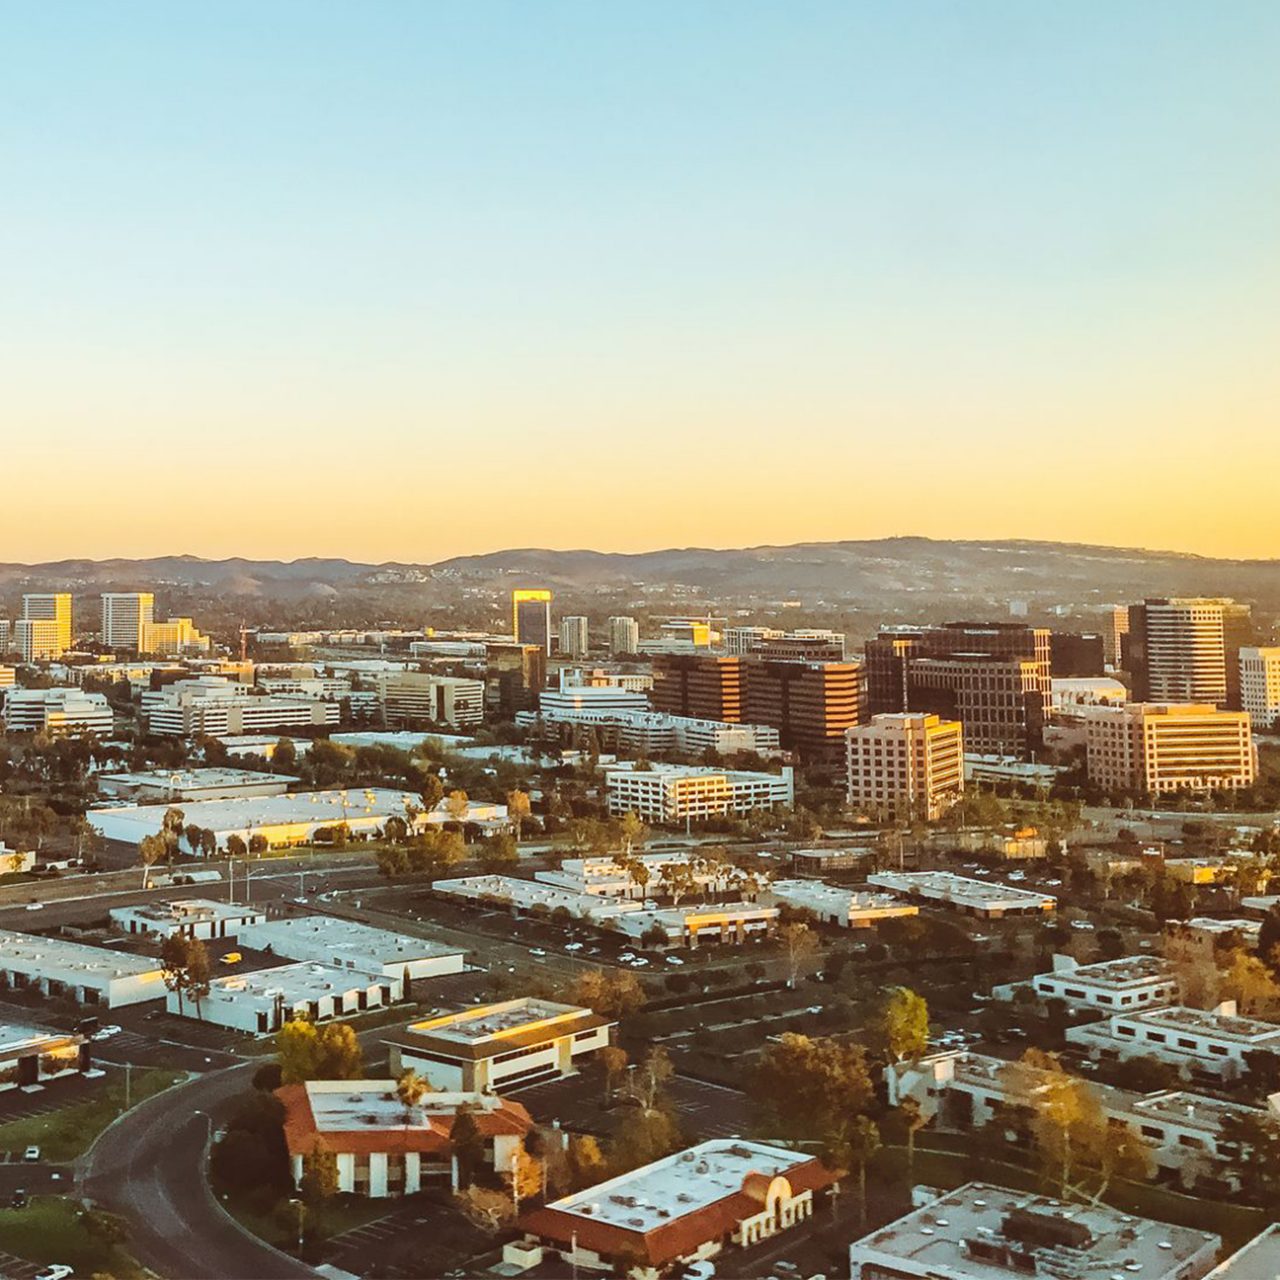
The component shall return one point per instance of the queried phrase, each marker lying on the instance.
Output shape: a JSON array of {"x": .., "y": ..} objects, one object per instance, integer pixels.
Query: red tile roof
[
  {"x": 680, "y": 1236},
  {"x": 302, "y": 1136}
]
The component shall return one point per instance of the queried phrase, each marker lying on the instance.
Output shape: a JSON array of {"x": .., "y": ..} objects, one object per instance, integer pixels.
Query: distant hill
[{"x": 882, "y": 571}]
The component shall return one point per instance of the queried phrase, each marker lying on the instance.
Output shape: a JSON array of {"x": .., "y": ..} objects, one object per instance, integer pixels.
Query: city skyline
[{"x": 738, "y": 276}]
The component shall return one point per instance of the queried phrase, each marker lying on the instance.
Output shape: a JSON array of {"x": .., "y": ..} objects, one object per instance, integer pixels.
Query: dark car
[{"x": 18, "y": 1200}]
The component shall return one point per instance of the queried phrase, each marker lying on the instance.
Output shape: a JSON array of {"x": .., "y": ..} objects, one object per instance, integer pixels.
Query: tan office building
[
  {"x": 905, "y": 765},
  {"x": 1158, "y": 748}
]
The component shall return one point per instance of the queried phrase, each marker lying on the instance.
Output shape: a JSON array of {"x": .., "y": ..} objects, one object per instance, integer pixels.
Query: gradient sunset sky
[{"x": 407, "y": 280}]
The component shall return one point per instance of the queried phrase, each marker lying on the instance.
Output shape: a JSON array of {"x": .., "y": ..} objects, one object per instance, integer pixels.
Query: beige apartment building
[
  {"x": 1158, "y": 748},
  {"x": 905, "y": 765}
]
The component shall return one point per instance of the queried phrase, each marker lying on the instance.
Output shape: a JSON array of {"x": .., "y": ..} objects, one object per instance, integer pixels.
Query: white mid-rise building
[
  {"x": 573, "y": 636},
  {"x": 905, "y": 765},
  {"x": 1199, "y": 1042},
  {"x": 624, "y": 635},
  {"x": 44, "y": 630},
  {"x": 1132, "y": 982},
  {"x": 57, "y": 710},
  {"x": 417, "y": 697},
  {"x": 672, "y": 794},
  {"x": 1260, "y": 686},
  {"x": 126, "y": 615},
  {"x": 217, "y": 706}
]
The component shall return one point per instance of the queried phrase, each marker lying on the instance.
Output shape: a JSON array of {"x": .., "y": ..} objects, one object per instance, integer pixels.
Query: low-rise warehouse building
[
  {"x": 1208, "y": 1042},
  {"x": 291, "y": 819},
  {"x": 682, "y": 1209},
  {"x": 89, "y": 975},
  {"x": 29, "y": 1056},
  {"x": 262, "y": 1002},
  {"x": 176, "y": 786},
  {"x": 833, "y": 904},
  {"x": 190, "y": 917},
  {"x": 960, "y": 893},
  {"x": 496, "y": 1046},
  {"x": 388, "y": 1146},
  {"x": 684, "y": 924},
  {"x": 348, "y": 944},
  {"x": 981, "y": 1232}
]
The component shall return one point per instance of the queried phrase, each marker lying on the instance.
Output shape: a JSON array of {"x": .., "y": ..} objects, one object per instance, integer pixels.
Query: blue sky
[{"x": 650, "y": 274}]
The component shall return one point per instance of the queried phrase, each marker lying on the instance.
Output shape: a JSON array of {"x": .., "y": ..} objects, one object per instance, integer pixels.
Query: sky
[{"x": 405, "y": 280}]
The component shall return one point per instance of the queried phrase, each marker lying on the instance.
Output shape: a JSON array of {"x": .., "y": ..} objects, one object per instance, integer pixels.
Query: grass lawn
[
  {"x": 49, "y": 1230},
  {"x": 947, "y": 1169},
  {"x": 63, "y": 1135}
]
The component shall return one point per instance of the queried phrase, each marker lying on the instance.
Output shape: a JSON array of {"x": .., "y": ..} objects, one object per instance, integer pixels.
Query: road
[{"x": 148, "y": 1168}]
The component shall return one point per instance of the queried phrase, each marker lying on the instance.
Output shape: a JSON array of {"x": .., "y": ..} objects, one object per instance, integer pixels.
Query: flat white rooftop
[
  {"x": 946, "y": 886},
  {"x": 194, "y": 779},
  {"x": 1204, "y": 1022},
  {"x": 496, "y": 1021},
  {"x": 948, "y": 1238},
  {"x": 345, "y": 940},
  {"x": 1115, "y": 975},
  {"x": 53, "y": 956},
  {"x": 836, "y": 898},
  {"x": 1259, "y": 1259},
  {"x": 293, "y": 983},
  {"x": 678, "y": 1185},
  {"x": 186, "y": 911},
  {"x": 17, "y": 1038},
  {"x": 362, "y": 1105},
  {"x": 278, "y": 811}
]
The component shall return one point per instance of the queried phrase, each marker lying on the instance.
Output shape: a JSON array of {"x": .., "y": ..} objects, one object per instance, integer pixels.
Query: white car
[
  {"x": 59, "y": 1271},
  {"x": 627, "y": 957},
  {"x": 31, "y": 1155},
  {"x": 674, "y": 960},
  {"x": 1082, "y": 924},
  {"x": 536, "y": 951},
  {"x": 638, "y": 962},
  {"x": 573, "y": 946},
  {"x": 35, "y": 906}
]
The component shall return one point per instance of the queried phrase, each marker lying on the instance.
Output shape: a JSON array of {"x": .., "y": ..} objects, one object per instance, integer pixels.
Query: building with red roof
[
  {"x": 386, "y": 1147},
  {"x": 686, "y": 1207}
]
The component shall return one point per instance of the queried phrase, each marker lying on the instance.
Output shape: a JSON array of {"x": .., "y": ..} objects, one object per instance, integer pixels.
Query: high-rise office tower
[
  {"x": 811, "y": 704},
  {"x": 573, "y": 637},
  {"x": 624, "y": 635},
  {"x": 517, "y": 675},
  {"x": 705, "y": 686},
  {"x": 47, "y": 606},
  {"x": 1074, "y": 654},
  {"x": 994, "y": 677},
  {"x": 531, "y": 618},
  {"x": 125, "y": 617},
  {"x": 1187, "y": 650},
  {"x": 1115, "y": 634}
]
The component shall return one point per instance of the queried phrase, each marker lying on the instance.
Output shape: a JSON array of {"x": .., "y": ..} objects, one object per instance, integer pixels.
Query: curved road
[{"x": 148, "y": 1167}]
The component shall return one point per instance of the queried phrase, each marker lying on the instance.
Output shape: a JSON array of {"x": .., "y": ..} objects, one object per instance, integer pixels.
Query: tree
[
  {"x": 854, "y": 1150},
  {"x": 284, "y": 756},
  {"x": 648, "y": 1082},
  {"x": 258, "y": 844},
  {"x": 904, "y": 1023},
  {"x": 307, "y": 1052},
  {"x": 801, "y": 945},
  {"x": 319, "y": 1176},
  {"x": 411, "y": 1088},
  {"x": 613, "y": 993},
  {"x": 913, "y": 1120},
  {"x": 171, "y": 825},
  {"x": 632, "y": 832},
  {"x": 392, "y": 862},
  {"x": 432, "y": 792},
  {"x": 236, "y": 847},
  {"x": 193, "y": 832},
  {"x": 810, "y": 1089},
  {"x": 184, "y": 965},
  {"x": 518, "y": 810},
  {"x": 1269, "y": 940},
  {"x": 613, "y": 1062},
  {"x": 457, "y": 806},
  {"x": 499, "y": 853},
  {"x": 1069, "y": 1129},
  {"x": 646, "y": 1137},
  {"x": 488, "y": 1208},
  {"x": 150, "y": 850},
  {"x": 468, "y": 1146}
]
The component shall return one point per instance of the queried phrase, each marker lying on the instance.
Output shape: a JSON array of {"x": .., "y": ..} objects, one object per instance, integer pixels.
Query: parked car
[
  {"x": 19, "y": 1199},
  {"x": 232, "y": 957},
  {"x": 31, "y": 1154},
  {"x": 35, "y": 906},
  {"x": 59, "y": 1271},
  {"x": 674, "y": 960},
  {"x": 573, "y": 946},
  {"x": 536, "y": 951}
]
